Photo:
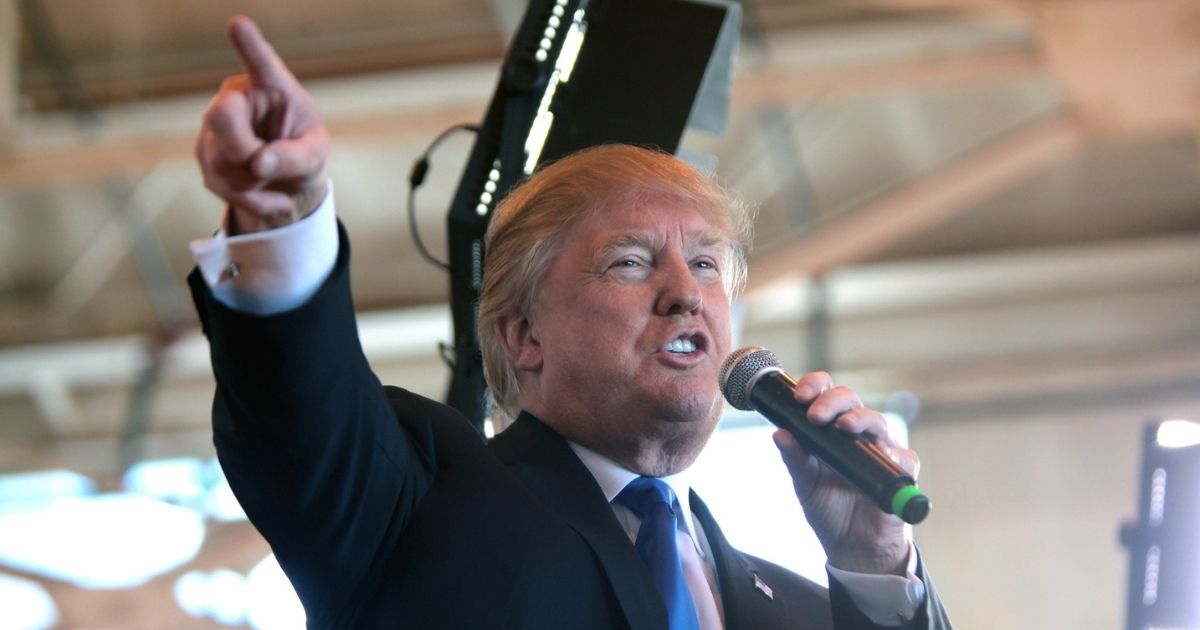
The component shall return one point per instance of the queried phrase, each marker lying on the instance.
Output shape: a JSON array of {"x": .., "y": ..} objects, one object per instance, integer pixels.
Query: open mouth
[{"x": 686, "y": 344}]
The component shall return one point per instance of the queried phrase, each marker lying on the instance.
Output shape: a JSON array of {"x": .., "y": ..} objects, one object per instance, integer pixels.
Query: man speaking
[{"x": 604, "y": 318}]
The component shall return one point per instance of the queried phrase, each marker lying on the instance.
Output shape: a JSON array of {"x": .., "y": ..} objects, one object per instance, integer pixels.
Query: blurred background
[{"x": 983, "y": 215}]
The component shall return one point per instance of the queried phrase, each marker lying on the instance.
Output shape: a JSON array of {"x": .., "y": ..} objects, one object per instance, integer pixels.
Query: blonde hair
[{"x": 527, "y": 228}]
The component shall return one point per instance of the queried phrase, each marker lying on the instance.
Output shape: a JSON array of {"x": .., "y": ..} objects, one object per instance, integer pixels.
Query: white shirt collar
[{"x": 613, "y": 478}]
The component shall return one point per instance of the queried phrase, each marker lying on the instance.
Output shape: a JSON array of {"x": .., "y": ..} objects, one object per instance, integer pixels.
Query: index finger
[
  {"x": 811, "y": 385},
  {"x": 262, "y": 63}
]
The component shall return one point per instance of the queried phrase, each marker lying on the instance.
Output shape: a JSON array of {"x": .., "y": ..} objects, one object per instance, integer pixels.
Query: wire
[
  {"x": 446, "y": 351},
  {"x": 416, "y": 177}
]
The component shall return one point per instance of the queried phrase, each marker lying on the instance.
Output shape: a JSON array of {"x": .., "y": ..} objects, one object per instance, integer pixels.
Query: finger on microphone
[
  {"x": 869, "y": 422},
  {"x": 866, "y": 422},
  {"x": 752, "y": 378},
  {"x": 259, "y": 58},
  {"x": 812, "y": 385},
  {"x": 833, "y": 403}
]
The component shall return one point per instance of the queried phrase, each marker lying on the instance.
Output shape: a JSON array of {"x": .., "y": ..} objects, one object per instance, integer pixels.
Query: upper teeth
[{"x": 681, "y": 345}]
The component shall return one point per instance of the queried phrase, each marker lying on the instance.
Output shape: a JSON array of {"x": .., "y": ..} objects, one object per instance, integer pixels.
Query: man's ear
[{"x": 520, "y": 342}]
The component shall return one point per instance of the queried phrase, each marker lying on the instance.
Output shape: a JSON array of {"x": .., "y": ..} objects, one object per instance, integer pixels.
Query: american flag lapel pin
[{"x": 764, "y": 587}]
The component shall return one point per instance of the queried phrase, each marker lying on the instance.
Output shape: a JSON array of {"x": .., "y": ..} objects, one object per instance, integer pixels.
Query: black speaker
[{"x": 578, "y": 73}]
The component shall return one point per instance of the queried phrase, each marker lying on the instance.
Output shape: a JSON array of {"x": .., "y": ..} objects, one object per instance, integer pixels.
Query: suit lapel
[
  {"x": 749, "y": 601},
  {"x": 547, "y": 467}
]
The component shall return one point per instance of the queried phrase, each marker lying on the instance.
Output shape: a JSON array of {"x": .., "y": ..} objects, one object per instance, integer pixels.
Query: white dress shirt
[
  {"x": 266, "y": 273},
  {"x": 885, "y": 599},
  {"x": 694, "y": 550}
]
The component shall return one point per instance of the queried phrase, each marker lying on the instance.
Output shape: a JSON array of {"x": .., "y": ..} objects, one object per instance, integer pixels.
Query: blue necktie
[{"x": 653, "y": 502}]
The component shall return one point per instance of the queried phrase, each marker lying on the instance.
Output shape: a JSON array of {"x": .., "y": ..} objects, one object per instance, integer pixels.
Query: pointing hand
[{"x": 262, "y": 146}]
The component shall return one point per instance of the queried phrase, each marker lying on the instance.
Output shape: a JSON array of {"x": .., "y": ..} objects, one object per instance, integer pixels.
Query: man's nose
[{"x": 679, "y": 293}]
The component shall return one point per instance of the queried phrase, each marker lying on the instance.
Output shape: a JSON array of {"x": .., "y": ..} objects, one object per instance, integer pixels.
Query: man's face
[{"x": 632, "y": 322}]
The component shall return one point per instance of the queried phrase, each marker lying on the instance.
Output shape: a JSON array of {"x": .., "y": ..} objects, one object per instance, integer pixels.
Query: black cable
[
  {"x": 416, "y": 177},
  {"x": 446, "y": 351}
]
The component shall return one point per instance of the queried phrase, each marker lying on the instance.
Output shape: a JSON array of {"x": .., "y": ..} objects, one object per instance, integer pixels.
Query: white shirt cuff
[
  {"x": 887, "y": 600},
  {"x": 269, "y": 272}
]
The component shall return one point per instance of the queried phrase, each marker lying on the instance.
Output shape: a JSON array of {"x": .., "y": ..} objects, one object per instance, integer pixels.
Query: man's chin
[
  {"x": 681, "y": 441},
  {"x": 700, "y": 410}
]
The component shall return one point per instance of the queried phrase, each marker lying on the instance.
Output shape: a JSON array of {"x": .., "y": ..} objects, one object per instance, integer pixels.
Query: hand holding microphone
[
  {"x": 849, "y": 511},
  {"x": 752, "y": 379}
]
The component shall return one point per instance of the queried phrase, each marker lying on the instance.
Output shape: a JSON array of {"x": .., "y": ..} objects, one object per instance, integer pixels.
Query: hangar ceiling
[{"x": 906, "y": 139}]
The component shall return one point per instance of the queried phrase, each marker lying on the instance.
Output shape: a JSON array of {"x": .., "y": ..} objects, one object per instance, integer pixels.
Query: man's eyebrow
[
  {"x": 624, "y": 241},
  {"x": 712, "y": 238},
  {"x": 705, "y": 240}
]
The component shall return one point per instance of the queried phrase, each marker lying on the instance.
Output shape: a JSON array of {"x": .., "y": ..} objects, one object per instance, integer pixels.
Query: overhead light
[
  {"x": 180, "y": 481},
  {"x": 264, "y": 598},
  {"x": 1177, "y": 433},
  {"x": 104, "y": 541},
  {"x": 42, "y": 486},
  {"x": 221, "y": 504},
  {"x": 27, "y": 605},
  {"x": 189, "y": 482},
  {"x": 539, "y": 129},
  {"x": 1164, "y": 541},
  {"x": 219, "y": 594}
]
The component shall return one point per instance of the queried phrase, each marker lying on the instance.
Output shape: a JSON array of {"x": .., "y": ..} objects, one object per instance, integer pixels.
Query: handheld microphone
[{"x": 752, "y": 379}]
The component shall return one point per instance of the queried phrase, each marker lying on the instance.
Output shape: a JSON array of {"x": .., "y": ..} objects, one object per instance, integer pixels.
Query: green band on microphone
[{"x": 902, "y": 497}]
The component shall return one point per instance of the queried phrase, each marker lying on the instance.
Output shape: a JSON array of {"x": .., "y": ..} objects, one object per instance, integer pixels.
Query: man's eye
[
  {"x": 705, "y": 264},
  {"x": 627, "y": 262}
]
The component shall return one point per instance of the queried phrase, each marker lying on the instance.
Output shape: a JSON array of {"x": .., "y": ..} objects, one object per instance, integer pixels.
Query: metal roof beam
[{"x": 854, "y": 235}]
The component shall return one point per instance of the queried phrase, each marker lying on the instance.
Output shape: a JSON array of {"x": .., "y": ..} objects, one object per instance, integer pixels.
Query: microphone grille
[{"x": 739, "y": 368}]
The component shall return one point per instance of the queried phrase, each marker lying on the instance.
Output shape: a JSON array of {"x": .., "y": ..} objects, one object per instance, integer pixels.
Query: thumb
[{"x": 302, "y": 158}]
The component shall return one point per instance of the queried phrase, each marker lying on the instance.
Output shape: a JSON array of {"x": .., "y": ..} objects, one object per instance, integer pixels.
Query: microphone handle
[{"x": 859, "y": 461}]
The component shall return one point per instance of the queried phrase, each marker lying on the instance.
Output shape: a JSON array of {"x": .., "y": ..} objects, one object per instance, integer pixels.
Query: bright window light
[
  {"x": 175, "y": 480},
  {"x": 1177, "y": 433},
  {"x": 264, "y": 598},
  {"x": 190, "y": 482},
  {"x": 219, "y": 594},
  {"x": 43, "y": 486},
  {"x": 222, "y": 505},
  {"x": 104, "y": 542},
  {"x": 26, "y": 605},
  {"x": 220, "y": 502},
  {"x": 767, "y": 522},
  {"x": 273, "y": 604}
]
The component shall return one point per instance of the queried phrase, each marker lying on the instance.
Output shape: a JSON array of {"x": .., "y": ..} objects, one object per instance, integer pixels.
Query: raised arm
[{"x": 305, "y": 433}]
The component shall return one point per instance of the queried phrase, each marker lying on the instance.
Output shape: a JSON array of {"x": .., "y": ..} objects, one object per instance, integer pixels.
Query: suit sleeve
[
  {"x": 308, "y": 440},
  {"x": 930, "y": 616}
]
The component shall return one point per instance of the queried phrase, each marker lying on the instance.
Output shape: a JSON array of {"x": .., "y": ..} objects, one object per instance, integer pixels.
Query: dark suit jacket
[{"x": 385, "y": 509}]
